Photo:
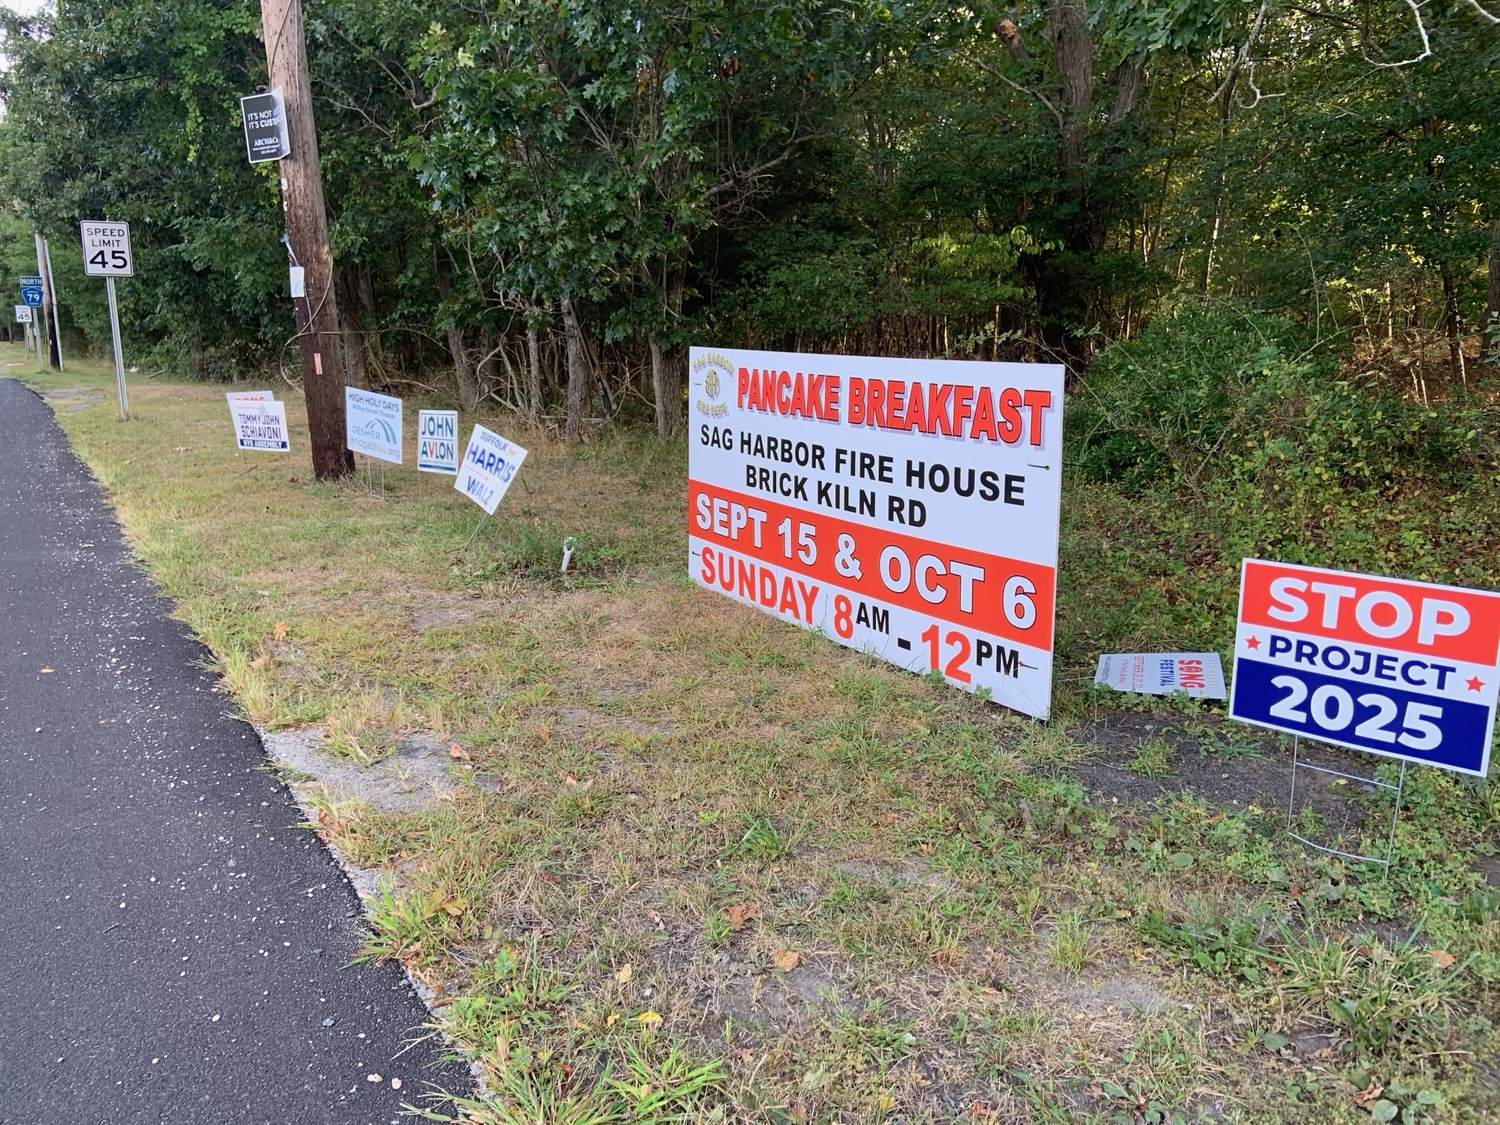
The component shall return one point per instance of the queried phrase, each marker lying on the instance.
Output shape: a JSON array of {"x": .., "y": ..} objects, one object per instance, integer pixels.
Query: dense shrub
[{"x": 1220, "y": 392}]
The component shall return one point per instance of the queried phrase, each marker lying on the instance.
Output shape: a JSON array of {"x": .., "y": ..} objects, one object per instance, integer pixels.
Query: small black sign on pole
[{"x": 265, "y": 127}]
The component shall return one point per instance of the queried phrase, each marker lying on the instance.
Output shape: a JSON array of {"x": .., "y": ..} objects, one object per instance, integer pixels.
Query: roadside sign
[
  {"x": 905, "y": 508},
  {"x": 31, "y": 290},
  {"x": 259, "y": 424},
  {"x": 1197, "y": 674},
  {"x": 106, "y": 249},
  {"x": 265, "y": 127},
  {"x": 372, "y": 424},
  {"x": 1407, "y": 670},
  {"x": 437, "y": 441},
  {"x": 489, "y": 465},
  {"x": 23, "y": 314}
]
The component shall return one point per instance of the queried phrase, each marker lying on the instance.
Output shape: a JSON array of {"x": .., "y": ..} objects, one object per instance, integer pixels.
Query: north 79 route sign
[
  {"x": 1408, "y": 670},
  {"x": 106, "y": 249}
]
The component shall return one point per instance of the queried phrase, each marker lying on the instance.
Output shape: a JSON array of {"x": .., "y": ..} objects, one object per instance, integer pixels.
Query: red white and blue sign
[{"x": 1408, "y": 670}]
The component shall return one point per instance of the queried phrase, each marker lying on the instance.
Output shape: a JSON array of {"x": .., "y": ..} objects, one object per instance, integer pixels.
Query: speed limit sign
[{"x": 106, "y": 249}]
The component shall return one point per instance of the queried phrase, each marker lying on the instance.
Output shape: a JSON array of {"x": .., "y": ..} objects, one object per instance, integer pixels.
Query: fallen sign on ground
[
  {"x": 905, "y": 508},
  {"x": 1408, "y": 670},
  {"x": 259, "y": 423},
  {"x": 372, "y": 424},
  {"x": 1197, "y": 674},
  {"x": 489, "y": 465},
  {"x": 437, "y": 441}
]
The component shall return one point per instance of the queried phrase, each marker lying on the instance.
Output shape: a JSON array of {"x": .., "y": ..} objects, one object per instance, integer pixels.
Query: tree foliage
[{"x": 551, "y": 201}]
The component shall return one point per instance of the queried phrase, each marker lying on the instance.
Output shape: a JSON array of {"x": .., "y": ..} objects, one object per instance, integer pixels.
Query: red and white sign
[
  {"x": 1197, "y": 674},
  {"x": 1404, "y": 669},
  {"x": 905, "y": 508}
]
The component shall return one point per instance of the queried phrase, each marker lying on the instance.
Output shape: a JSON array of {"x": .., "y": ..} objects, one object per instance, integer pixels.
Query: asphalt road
[{"x": 171, "y": 947}]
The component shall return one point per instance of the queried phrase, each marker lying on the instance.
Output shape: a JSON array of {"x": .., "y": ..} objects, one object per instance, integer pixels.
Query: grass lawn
[{"x": 691, "y": 864}]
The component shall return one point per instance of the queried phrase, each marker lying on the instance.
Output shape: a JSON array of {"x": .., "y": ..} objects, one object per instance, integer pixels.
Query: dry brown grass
[{"x": 647, "y": 762}]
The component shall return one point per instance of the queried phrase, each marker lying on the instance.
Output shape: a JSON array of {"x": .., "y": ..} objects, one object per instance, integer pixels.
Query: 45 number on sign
[{"x": 106, "y": 254}]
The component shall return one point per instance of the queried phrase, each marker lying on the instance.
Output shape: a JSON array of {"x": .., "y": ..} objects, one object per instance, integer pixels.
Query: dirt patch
[
  {"x": 71, "y": 398},
  {"x": 1118, "y": 994},
  {"x": 417, "y": 776},
  {"x": 1223, "y": 765}
]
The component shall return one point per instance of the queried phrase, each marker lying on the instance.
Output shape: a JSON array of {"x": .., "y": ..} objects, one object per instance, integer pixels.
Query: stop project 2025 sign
[
  {"x": 1403, "y": 669},
  {"x": 905, "y": 508}
]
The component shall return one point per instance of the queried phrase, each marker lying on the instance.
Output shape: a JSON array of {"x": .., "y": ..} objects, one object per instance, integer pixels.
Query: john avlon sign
[
  {"x": 437, "y": 441},
  {"x": 908, "y": 508},
  {"x": 1404, "y": 669}
]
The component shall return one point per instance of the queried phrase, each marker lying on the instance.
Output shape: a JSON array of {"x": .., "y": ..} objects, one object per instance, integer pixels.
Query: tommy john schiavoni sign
[{"x": 907, "y": 508}]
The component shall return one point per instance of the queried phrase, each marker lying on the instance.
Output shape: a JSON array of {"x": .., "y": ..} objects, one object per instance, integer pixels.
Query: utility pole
[
  {"x": 318, "y": 333},
  {"x": 48, "y": 339}
]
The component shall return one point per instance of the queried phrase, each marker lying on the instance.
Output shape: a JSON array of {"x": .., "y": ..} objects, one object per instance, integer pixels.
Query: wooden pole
[{"x": 318, "y": 333}]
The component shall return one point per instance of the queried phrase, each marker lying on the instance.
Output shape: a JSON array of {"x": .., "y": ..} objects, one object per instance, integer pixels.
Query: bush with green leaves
[{"x": 1220, "y": 392}]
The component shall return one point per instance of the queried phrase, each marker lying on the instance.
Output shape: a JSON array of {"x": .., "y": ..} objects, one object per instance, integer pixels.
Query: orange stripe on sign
[
  {"x": 953, "y": 584},
  {"x": 1362, "y": 609}
]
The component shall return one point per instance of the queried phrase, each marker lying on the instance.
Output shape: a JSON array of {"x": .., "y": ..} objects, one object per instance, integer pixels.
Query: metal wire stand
[{"x": 1291, "y": 808}]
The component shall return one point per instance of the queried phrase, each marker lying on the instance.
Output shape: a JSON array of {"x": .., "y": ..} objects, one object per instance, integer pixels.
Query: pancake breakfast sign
[
  {"x": 1403, "y": 669},
  {"x": 905, "y": 508}
]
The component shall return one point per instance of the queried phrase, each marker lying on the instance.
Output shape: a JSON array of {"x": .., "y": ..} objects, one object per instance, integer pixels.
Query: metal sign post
[
  {"x": 106, "y": 254},
  {"x": 114, "y": 330},
  {"x": 31, "y": 294}
]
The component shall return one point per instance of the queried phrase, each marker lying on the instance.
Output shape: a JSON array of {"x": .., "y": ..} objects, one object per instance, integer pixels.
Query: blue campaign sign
[
  {"x": 31, "y": 290},
  {"x": 437, "y": 441},
  {"x": 1407, "y": 670}
]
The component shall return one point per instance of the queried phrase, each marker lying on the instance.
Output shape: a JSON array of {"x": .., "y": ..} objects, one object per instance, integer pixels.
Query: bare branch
[
  {"x": 1014, "y": 85},
  {"x": 1260, "y": 96},
  {"x": 1483, "y": 11},
  {"x": 1416, "y": 11},
  {"x": 1244, "y": 52}
]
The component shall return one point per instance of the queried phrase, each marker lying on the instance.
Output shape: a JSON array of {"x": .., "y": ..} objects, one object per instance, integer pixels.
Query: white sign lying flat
[
  {"x": 1199, "y": 674},
  {"x": 372, "y": 424},
  {"x": 260, "y": 424},
  {"x": 489, "y": 465},
  {"x": 437, "y": 441}
]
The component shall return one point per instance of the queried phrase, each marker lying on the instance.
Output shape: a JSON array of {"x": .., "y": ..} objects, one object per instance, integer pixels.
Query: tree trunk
[
  {"x": 1074, "y": 48},
  {"x": 463, "y": 369},
  {"x": 464, "y": 375},
  {"x": 1453, "y": 325},
  {"x": 669, "y": 361},
  {"x": 356, "y": 371},
  {"x": 484, "y": 370},
  {"x": 578, "y": 373},
  {"x": 534, "y": 373},
  {"x": 195, "y": 357},
  {"x": 1492, "y": 313}
]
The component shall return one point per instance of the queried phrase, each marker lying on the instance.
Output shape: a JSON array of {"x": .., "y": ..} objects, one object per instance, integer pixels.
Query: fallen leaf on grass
[
  {"x": 739, "y": 915},
  {"x": 279, "y": 630},
  {"x": 624, "y": 975},
  {"x": 1441, "y": 957},
  {"x": 453, "y": 907},
  {"x": 649, "y": 1019},
  {"x": 457, "y": 751},
  {"x": 787, "y": 960},
  {"x": 260, "y": 662},
  {"x": 1369, "y": 1095}
]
